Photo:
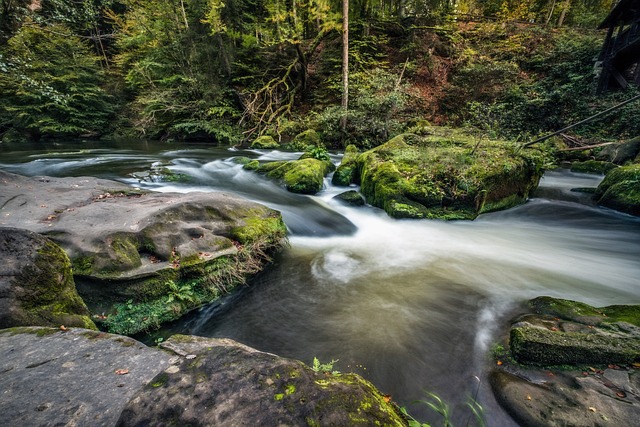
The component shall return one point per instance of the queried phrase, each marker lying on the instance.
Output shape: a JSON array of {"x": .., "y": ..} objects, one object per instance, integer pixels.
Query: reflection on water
[{"x": 411, "y": 305}]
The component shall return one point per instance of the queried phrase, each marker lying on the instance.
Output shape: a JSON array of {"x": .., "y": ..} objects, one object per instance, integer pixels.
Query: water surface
[{"x": 413, "y": 306}]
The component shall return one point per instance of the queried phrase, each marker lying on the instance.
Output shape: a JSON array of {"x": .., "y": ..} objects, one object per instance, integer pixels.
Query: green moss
[
  {"x": 252, "y": 165},
  {"x": 346, "y": 173},
  {"x": 264, "y": 142},
  {"x": 125, "y": 250},
  {"x": 444, "y": 174},
  {"x": 306, "y": 139},
  {"x": 278, "y": 396},
  {"x": 289, "y": 389},
  {"x": 593, "y": 166},
  {"x": 160, "y": 380},
  {"x": 258, "y": 228},
  {"x": 540, "y": 346},
  {"x": 82, "y": 265}
]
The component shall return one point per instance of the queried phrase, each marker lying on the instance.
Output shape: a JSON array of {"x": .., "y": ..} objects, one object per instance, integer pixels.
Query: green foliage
[
  {"x": 323, "y": 367},
  {"x": 376, "y": 112},
  {"x": 51, "y": 85},
  {"x": 180, "y": 293},
  {"x": 318, "y": 152}
]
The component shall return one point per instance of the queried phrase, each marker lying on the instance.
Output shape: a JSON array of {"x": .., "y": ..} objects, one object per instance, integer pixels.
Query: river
[{"x": 413, "y": 306}]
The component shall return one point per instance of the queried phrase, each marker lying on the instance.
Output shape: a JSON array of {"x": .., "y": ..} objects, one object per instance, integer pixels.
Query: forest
[{"x": 229, "y": 71}]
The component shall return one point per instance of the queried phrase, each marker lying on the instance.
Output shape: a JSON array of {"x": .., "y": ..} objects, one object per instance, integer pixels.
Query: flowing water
[{"x": 413, "y": 306}]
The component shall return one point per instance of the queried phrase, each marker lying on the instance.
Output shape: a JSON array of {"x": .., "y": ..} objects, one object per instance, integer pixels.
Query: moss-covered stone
[
  {"x": 447, "y": 174},
  {"x": 306, "y": 139},
  {"x": 264, "y": 142},
  {"x": 346, "y": 173},
  {"x": 262, "y": 389},
  {"x": 304, "y": 176},
  {"x": 351, "y": 198},
  {"x": 36, "y": 283},
  {"x": 593, "y": 166},
  {"x": 620, "y": 190},
  {"x": 565, "y": 332},
  {"x": 541, "y": 346}
]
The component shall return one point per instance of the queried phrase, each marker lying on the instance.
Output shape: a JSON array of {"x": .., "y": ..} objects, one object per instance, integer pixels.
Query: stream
[{"x": 413, "y": 306}]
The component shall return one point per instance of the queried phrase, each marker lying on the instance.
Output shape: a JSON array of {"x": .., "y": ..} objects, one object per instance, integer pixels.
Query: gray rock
[
  {"x": 620, "y": 153},
  {"x": 74, "y": 377},
  {"x": 36, "y": 283},
  {"x": 565, "y": 399},
  {"x": 351, "y": 198},
  {"x": 140, "y": 246},
  {"x": 219, "y": 382}
]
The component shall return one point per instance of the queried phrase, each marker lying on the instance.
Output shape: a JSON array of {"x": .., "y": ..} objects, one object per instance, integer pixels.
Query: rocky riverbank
[
  {"x": 140, "y": 258},
  {"x": 83, "y": 377},
  {"x": 569, "y": 363}
]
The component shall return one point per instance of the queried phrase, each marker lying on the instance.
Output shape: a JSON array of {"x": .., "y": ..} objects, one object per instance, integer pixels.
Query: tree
[
  {"x": 345, "y": 64},
  {"x": 50, "y": 82}
]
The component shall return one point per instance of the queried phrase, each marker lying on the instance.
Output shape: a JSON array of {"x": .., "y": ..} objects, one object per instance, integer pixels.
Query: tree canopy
[{"x": 236, "y": 69}]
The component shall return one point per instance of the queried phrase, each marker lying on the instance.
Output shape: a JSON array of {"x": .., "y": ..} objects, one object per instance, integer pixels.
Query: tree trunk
[
  {"x": 565, "y": 10},
  {"x": 345, "y": 64}
]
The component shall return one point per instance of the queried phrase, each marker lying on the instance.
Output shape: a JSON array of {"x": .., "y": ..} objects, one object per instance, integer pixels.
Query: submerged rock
[
  {"x": 36, "y": 283},
  {"x": 144, "y": 258},
  {"x": 620, "y": 190},
  {"x": 222, "y": 382},
  {"x": 447, "y": 174}
]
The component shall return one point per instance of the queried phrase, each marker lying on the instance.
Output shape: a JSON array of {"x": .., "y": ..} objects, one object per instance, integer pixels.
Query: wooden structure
[{"x": 619, "y": 60}]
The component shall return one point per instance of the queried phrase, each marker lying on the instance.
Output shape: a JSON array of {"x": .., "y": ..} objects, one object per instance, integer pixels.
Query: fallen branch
[{"x": 586, "y": 147}]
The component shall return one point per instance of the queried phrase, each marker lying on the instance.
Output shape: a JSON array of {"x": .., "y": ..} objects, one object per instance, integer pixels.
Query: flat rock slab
[
  {"x": 122, "y": 232},
  {"x": 74, "y": 377},
  {"x": 579, "y": 399}
]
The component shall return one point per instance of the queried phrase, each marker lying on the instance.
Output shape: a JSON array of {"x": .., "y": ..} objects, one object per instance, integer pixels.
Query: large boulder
[
  {"x": 36, "y": 283},
  {"x": 144, "y": 258},
  {"x": 222, "y": 382},
  {"x": 620, "y": 190},
  {"x": 447, "y": 174},
  {"x": 576, "y": 365},
  {"x": 86, "y": 378}
]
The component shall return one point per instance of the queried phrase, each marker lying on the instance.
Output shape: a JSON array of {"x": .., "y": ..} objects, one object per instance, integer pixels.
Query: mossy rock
[
  {"x": 265, "y": 142},
  {"x": 447, "y": 174},
  {"x": 620, "y": 153},
  {"x": 351, "y": 198},
  {"x": 346, "y": 173},
  {"x": 620, "y": 190},
  {"x": 36, "y": 283},
  {"x": 306, "y": 139},
  {"x": 540, "y": 346},
  {"x": 565, "y": 332},
  {"x": 593, "y": 166},
  {"x": 222, "y": 382},
  {"x": 304, "y": 176}
]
